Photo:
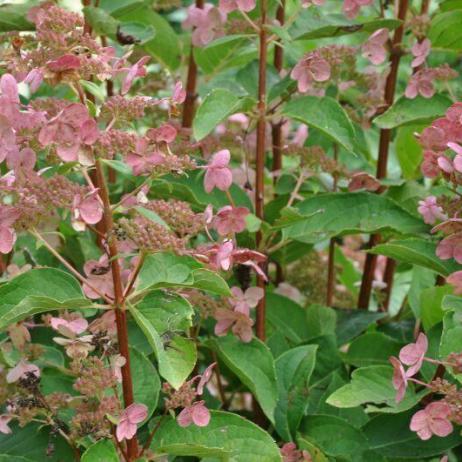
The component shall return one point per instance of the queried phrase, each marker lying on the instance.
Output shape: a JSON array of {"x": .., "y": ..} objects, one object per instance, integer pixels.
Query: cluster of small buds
[
  {"x": 204, "y": 303},
  {"x": 119, "y": 109},
  {"x": 114, "y": 141},
  {"x": 290, "y": 453},
  {"x": 94, "y": 377},
  {"x": 178, "y": 215},
  {"x": 419, "y": 26},
  {"x": 422, "y": 82},
  {"x": 149, "y": 236},
  {"x": 182, "y": 397}
]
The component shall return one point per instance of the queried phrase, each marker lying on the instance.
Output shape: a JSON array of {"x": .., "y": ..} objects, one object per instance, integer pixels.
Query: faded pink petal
[
  {"x": 179, "y": 94},
  {"x": 200, "y": 415},
  {"x": 21, "y": 369},
  {"x": 4, "y": 428},
  {"x": 64, "y": 63},
  {"x": 229, "y": 220},
  {"x": 130, "y": 416},
  {"x": 9, "y": 88},
  {"x": 205, "y": 378},
  {"x": 430, "y": 210},
  {"x": 7, "y": 239},
  {"x": 420, "y": 51},
  {"x": 433, "y": 420},
  {"x": 374, "y": 48},
  {"x": 413, "y": 354},
  {"x": 399, "y": 378}
]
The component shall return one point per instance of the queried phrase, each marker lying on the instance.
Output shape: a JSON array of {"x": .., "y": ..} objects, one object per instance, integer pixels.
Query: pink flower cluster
[{"x": 422, "y": 82}]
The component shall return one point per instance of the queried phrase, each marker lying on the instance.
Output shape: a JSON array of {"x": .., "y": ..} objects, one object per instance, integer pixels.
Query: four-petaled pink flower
[
  {"x": 128, "y": 420},
  {"x": 374, "y": 48},
  {"x": 23, "y": 161},
  {"x": 351, "y": 7},
  {"x": 450, "y": 247},
  {"x": 69, "y": 328},
  {"x": 310, "y": 69},
  {"x": 420, "y": 51},
  {"x": 243, "y": 301},
  {"x": 412, "y": 355},
  {"x": 4, "y": 421},
  {"x": 239, "y": 323},
  {"x": 8, "y": 216},
  {"x": 430, "y": 210},
  {"x": 20, "y": 370},
  {"x": 196, "y": 414},
  {"x": 145, "y": 157},
  {"x": 208, "y": 23},
  {"x": 420, "y": 83},
  {"x": 227, "y": 6},
  {"x": 229, "y": 220},
  {"x": 218, "y": 174},
  {"x": 400, "y": 378},
  {"x": 71, "y": 129},
  {"x": 433, "y": 420},
  {"x": 86, "y": 209}
]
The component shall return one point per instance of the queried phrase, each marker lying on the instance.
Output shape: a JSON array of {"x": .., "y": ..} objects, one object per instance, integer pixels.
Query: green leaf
[
  {"x": 13, "y": 16},
  {"x": 165, "y": 46},
  {"x": 142, "y": 33},
  {"x": 293, "y": 371},
  {"x": 334, "y": 436},
  {"x": 325, "y": 114},
  {"x": 373, "y": 384},
  {"x": 371, "y": 349},
  {"x": 390, "y": 436},
  {"x": 351, "y": 323},
  {"x": 168, "y": 270},
  {"x": 119, "y": 166},
  {"x": 37, "y": 291},
  {"x": 146, "y": 386},
  {"x": 310, "y": 24},
  {"x": 451, "y": 338},
  {"x": 320, "y": 320},
  {"x": 228, "y": 437},
  {"x": 101, "y": 22},
  {"x": 176, "y": 358},
  {"x": 315, "y": 453},
  {"x": 253, "y": 363},
  {"x": 431, "y": 300},
  {"x": 406, "y": 111},
  {"x": 418, "y": 252},
  {"x": 217, "y": 106},
  {"x": 445, "y": 31},
  {"x": 349, "y": 213},
  {"x": 101, "y": 451},
  {"x": 31, "y": 442},
  {"x": 409, "y": 151}
]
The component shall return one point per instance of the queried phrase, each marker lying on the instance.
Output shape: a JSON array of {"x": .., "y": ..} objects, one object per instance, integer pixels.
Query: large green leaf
[
  {"x": 146, "y": 386},
  {"x": 293, "y": 370},
  {"x": 335, "y": 437},
  {"x": 165, "y": 46},
  {"x": 176, "y": 357},
  {"x": 431, "y": 300},
  {"x": 409, "y": 151},
  {"x": 168, "y": 270},
  {"x": 390, "y": 436},
  {"x": 373, "y": 384},
  {"x": 31, "y": 442},
  {"x": 101, "y": 451},
  {"x": 13, "y": 16},
  {"x": 311, "y": 24},
  {"x": 419, "y": 252},
  {"x": 445, "y": 30},
  {"x": 351, "y": 323},
  {"x": 360, "y": 212},
  {"x": 253, "y": 363},
  {"x": 405, "y": 111},
  {"x": 371, "y": 348},
  {"x": 228, "y": 437},
  {"x": 37, "y": 291},
  {"x": 451, "y": 338},
  {"x": 325, "y": 114},
  {"x": 217, "y": 106}
]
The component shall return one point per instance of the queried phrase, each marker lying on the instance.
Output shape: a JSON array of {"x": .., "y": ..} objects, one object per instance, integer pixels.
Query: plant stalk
[{"x": 384, "y": 145}]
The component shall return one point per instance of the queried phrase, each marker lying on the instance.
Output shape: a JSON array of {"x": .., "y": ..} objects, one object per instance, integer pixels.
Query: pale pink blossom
[
  {"x": 86, "y": 209},
  {"x": 430, "y": 210},
  {"x": 287, "y": 290},
  {"x": 412, "y": 355},
  {"x": 433, "y": 420},
  {"x": 196, "y": 414},
  {"x": 77, "y": 347},
  {"x": 363, "y": 180},
  {"x": 229, "y": 220},
  {"x": 421, "y": 83},
  {"x": 99, "y": 275},
  {"x": 136, "y": 70},
  {"x": 455, "y": 279},
  {"x": 227, "y": 6},
  {"x": 374, "y": 48},
  {"x": 117, "y": 362},
  {"x": 312, "y": 68},
  {"x": 457, "y": 161},
  {"x": 23, "y": 161},
  {"x": 450, "y": 247},
  {"x": 239, "y": 323},
  {"x": 145, "y": 157},
  {"x": 300, "y": 136},
  {"x": 34, "y": 79},
  {"x": 4, "y": 421},
  {"x": 179, "y": 93},
  {"x": 204, "y": 379},
  {"x": 106, "y": 323},
  {"x": 8, "y": 216},
  {"x": 445, "y": 164},
  {"x": 128, "y": 420},
  {"x": 429, "y": 166},
  {"x": 420, "y": 51},
  {"x": 19, "y": 335},
  {"x": 207, "y": 23},
  {"x": 351, "y": 7},
  {"x": 400, "y": 378},
  {"x": 69, "y": 328},
  {"x": 218, "y": 174},
  {"x": 243, "y": 301},
  {"x": 22, "y": 369}
]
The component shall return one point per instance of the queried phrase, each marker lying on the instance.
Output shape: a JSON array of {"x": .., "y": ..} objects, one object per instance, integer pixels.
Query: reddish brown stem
[
  {"x": 191, "y": 83},
  {"x": 260, "y": 155},
  {"x": 276, "y": 132},
  {"x": 388, "y": 280},
  {"x": 384, "y": 144},
  {"x": 120, "y": 312}
]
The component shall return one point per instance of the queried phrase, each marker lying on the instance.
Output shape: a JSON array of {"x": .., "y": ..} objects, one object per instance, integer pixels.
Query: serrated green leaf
[{"x": 101, "y": 451}]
